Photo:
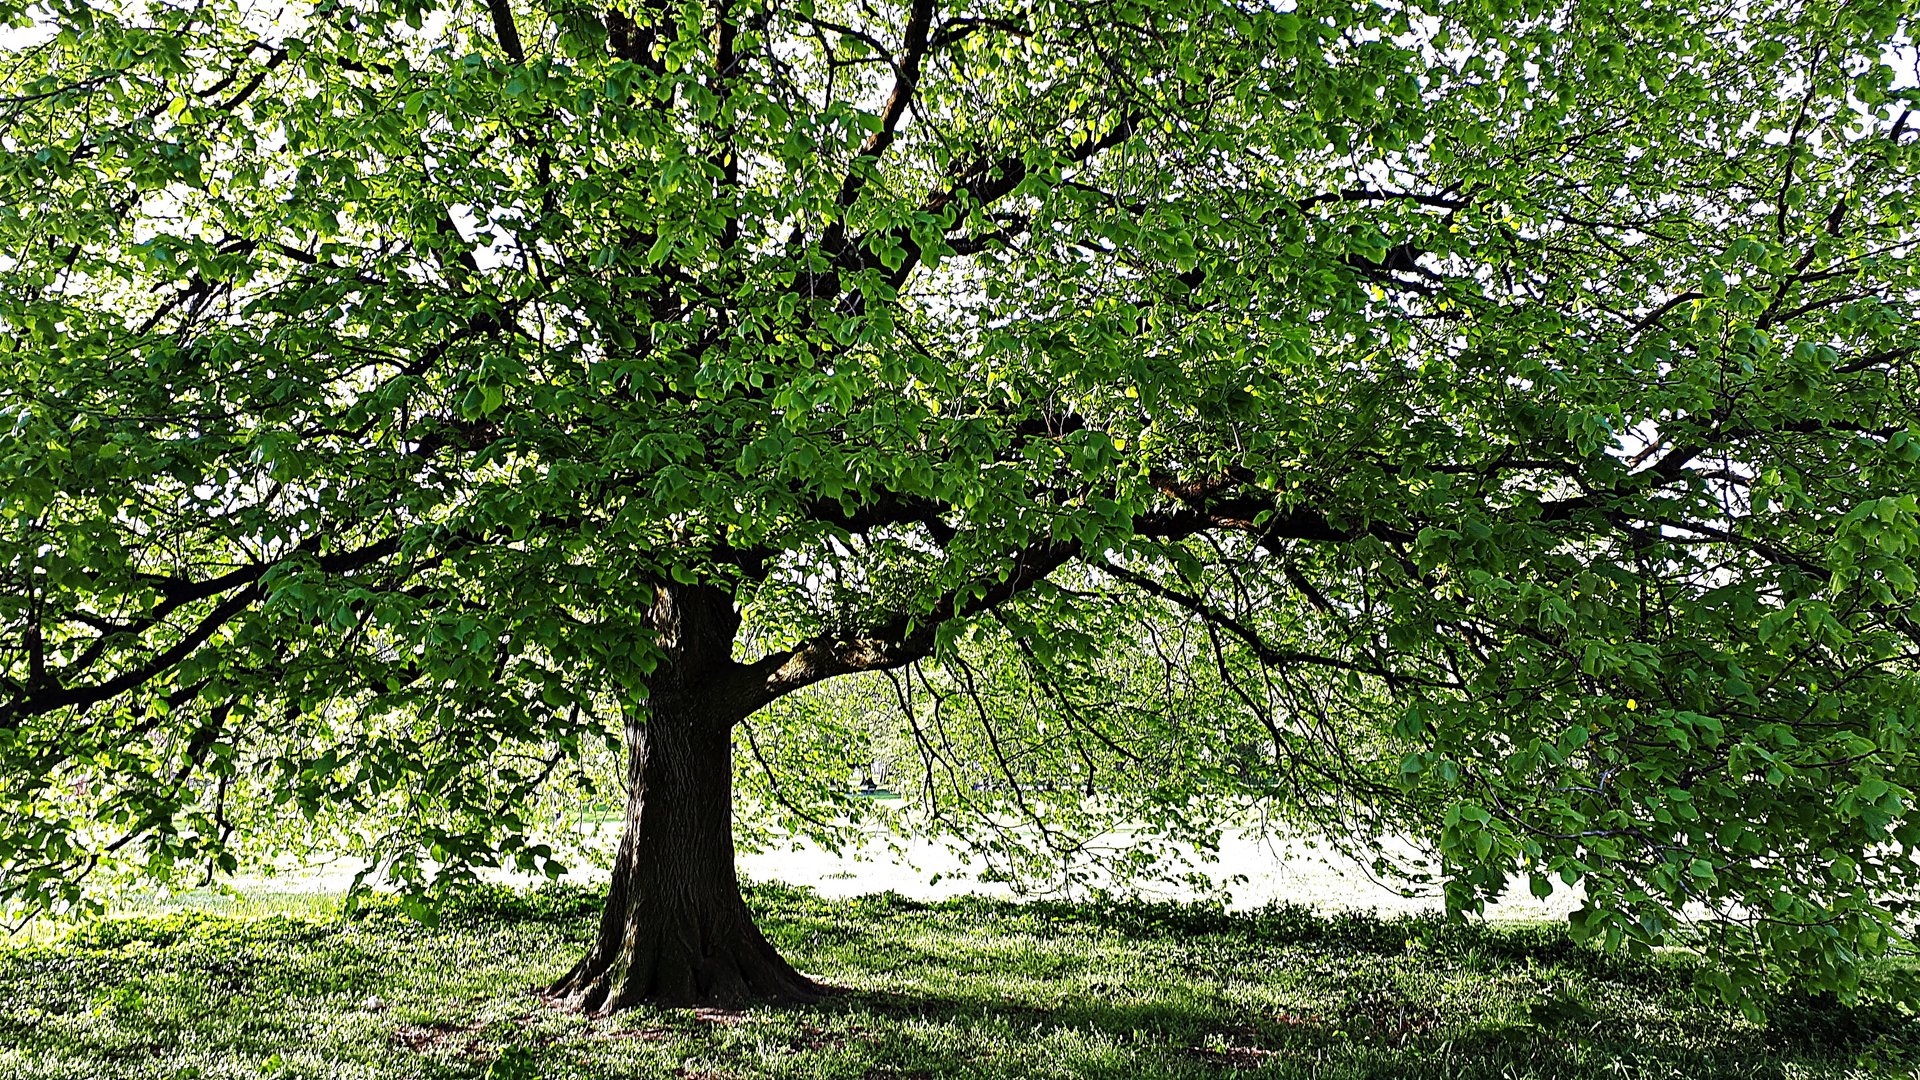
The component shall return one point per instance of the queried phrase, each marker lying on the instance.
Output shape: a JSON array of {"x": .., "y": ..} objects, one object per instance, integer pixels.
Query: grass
[{"x": 966, "y": 988}]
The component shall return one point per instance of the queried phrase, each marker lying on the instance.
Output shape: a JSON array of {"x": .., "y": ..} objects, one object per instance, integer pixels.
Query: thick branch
[
  {"x": 906, "y": 82},
  {"x": 908, "y": 637},
  {"x": 505, "y": 31},
  {"x": 905, "y": 637},
  {"x": 244, "y": 584}
]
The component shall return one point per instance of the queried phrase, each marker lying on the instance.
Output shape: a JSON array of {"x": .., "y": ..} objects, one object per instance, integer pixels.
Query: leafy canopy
[{"x": 1491, "y": 417}]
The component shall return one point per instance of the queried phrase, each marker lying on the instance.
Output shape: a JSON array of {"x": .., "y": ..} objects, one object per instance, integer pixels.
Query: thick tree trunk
[{"x": 675, "y": 930}]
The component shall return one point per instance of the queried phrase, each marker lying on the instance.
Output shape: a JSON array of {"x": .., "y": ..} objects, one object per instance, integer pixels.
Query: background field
[{"x": 1288, "y": 870}]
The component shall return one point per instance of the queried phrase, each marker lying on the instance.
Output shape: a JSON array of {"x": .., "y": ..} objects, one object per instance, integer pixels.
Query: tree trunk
[{"x": 675, "y": 930}]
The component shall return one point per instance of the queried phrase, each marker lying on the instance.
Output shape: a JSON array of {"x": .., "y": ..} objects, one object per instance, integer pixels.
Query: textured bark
[{"x": 675, "y": 930}]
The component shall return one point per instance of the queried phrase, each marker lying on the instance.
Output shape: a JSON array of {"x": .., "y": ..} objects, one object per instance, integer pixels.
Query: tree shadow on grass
[
  {"x": 1367, "y": 1018},
  {"x": 1276, "y": 924},
  {"x": 1399, "y": 1038},
  {"x": 928, "y": 997}
]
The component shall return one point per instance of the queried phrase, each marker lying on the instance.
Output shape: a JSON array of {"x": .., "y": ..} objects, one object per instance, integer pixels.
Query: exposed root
[{"x": 660, "y": 969}]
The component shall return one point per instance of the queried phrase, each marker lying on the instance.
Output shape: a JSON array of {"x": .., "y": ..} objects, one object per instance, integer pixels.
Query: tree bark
[{"x": 675, "y": 930}]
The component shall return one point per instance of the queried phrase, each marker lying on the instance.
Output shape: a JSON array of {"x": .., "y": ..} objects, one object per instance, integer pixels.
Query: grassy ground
[{"x": 967, "y": 988}]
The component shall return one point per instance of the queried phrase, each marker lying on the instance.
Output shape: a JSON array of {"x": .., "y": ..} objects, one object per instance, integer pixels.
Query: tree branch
[
  {"x": 505, "y": 31},
  {"x": 905, "y": 82}
]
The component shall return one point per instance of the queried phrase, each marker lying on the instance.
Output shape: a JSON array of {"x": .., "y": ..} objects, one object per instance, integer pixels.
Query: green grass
[{"x": 968, "y": 988}]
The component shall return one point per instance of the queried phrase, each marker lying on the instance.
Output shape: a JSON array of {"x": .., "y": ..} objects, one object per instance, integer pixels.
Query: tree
[{"x": 394, "y": 388}]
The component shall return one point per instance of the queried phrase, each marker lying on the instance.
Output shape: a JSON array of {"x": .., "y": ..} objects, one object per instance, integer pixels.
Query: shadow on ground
[{"x": 970, "y": 988}]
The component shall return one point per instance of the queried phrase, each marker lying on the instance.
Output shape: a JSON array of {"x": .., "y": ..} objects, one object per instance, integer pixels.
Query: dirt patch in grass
[{"x": 440, "y": 1037}]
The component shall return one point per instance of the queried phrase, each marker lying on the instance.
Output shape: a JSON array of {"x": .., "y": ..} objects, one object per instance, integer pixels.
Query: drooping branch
[{"x": 1263, "y": 650}]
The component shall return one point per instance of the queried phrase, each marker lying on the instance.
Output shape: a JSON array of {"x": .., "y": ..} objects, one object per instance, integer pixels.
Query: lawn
[{"x": 971, "y": 988}]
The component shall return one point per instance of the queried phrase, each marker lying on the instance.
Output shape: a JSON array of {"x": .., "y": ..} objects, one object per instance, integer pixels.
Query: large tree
[{"x": 1525, "y": 388}]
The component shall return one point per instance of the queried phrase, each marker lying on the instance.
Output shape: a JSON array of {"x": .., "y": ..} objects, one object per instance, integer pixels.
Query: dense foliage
[{"x": 1495, "y": 418}]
